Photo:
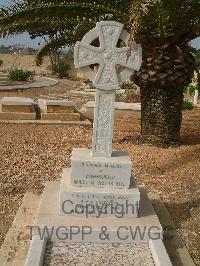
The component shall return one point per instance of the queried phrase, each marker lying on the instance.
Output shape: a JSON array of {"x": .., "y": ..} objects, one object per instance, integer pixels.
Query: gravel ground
[
  {"x": 33, "y": 154},
  {"x": 96, "y": 255}
]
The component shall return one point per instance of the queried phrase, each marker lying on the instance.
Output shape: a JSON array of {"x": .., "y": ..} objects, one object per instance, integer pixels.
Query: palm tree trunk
[
  {"x": 163, "y": 75},
  {"x": 161, "y": 114}
]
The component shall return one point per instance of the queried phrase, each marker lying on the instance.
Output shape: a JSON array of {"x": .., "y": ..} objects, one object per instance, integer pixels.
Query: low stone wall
[
  {"x": 29, "y": 62},
  {"x": 25, "y": 62},
  {"x": 73, "y": 72}
]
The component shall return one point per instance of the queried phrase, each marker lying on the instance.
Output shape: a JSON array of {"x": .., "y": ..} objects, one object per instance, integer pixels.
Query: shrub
[
  {"x": 119, "y": 97},
  {"x": 129, "y": 85},
  {"x": 132, "y": 98},
  {"x": 186, "y": 105},
  {"x": 1, "y": 62},
  {"x": 61, "y": 69},
  {"x": 128, "y": 98},
  {"x": 20, "y": 74},
  {"x": 191, "y": 88}
]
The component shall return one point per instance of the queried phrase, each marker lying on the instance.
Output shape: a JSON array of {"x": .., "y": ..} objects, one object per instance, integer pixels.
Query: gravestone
[
  {"x": 106, "y": 80},
  {"x": 63, "y": 110},
  {"x": 17, "y": 108},
  {"x": 97, "y": 200}
]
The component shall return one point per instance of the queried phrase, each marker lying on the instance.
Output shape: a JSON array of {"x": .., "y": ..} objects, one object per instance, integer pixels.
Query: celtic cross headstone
[
  {"x": 97, "y": 200},
  {"x": 107, "y": 79}
]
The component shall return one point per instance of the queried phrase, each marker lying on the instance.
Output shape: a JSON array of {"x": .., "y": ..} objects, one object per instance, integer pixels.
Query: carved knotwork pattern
[
  {"x": 86, "y": 55},
  {"x": 107, "y": 55},
  {"x": 109, "y": 33},
  {"x": 103, "y": 122}
]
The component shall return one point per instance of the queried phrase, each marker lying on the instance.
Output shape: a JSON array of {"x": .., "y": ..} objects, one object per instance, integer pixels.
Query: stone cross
[{"x": 107, "y": 57}]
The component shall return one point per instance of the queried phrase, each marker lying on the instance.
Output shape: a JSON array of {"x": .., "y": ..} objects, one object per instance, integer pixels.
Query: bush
[
  {"x": 20, "y": 74},
  {"x": 61, "y": 69},
  {"x": 187, "y": 105},
  {"x": 129, "y": 85},
  {"x": 191, "y": 89},
  {"x": 1, "y": 62},
  {"x": 128, "y": 98}
]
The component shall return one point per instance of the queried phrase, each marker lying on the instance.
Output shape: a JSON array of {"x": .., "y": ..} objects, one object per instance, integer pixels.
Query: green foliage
[
  {"x": 197, "y": 58},
  {"x": 177, "y": 19},
  {"x": 61, "y": 69},
  {"x": 41, "y": 16},
  {"x": 129, "y": 85},
  {"x": 186, "y": 105},
  {"x": 162, "y": 21},
  {"x": 5, "y": 50},
  {"x": 119, "y": 97},
  {"x": 20, "y": 74},
  {"x": 191, "y": 89},
  {"x": 129, "y": 97}
]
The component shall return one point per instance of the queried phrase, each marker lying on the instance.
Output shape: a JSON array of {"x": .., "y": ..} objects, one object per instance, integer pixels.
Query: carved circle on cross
[{"x": 107, "y": 56}]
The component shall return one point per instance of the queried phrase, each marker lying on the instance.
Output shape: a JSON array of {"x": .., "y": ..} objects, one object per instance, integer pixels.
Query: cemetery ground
[{"x": 34, "y": 154}]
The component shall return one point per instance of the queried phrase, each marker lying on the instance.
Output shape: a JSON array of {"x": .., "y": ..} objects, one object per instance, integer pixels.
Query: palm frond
[
  {"x": 51, "y": 15},
  {"x": 164, "y": 19},
  {"x": 67, "y": 38}
]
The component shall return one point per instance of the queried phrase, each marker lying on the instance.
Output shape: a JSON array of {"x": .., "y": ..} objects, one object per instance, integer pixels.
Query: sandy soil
[{"x": 33, "y": 154}]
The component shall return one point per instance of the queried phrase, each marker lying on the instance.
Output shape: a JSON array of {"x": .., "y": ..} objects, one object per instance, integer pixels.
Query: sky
[{"x": 24, "y": 38}]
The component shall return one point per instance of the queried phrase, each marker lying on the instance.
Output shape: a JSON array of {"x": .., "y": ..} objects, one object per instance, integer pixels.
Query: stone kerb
[
  {"x": 58, "y": 110},
  {"x": 56, "y": 106},
  {"x": 38, "y": 82},
  {"x": 17, "y": 108}
]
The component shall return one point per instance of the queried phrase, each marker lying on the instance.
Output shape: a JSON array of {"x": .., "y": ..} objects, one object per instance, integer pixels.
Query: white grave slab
[
  {"x": 196, "y": 97},
  {"x": 16, "y": 101}
]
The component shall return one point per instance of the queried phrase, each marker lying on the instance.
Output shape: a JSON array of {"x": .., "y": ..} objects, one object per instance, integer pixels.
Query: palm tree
[{"x": 163, "y": 27}]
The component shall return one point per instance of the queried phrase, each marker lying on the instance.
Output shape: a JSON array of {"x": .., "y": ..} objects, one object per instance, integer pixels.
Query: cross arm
[
  {"x": 133, "y": 61},
  {"x": 85, "y": 55}
]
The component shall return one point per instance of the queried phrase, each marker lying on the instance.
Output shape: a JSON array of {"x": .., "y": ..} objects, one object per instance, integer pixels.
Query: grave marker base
[
  {"x": 58, "y": 227},
  {"x": 102, "y": 202},
  {"x": 89, "y": 171}
]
